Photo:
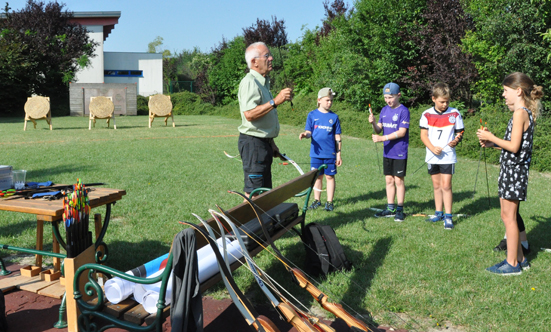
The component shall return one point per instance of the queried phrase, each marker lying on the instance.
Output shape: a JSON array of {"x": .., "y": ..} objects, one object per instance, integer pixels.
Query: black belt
[{"x": 264, "y": 139}]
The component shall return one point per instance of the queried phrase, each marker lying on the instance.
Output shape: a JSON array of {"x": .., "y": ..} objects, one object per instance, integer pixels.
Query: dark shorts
[
  {"x": 395, "y": 167},
  {"x": 512, "y": 183},
  {"x": 331, "y": 163},
  {"x": 441, "y": 169},
  {"x": 257, "y": 156}
]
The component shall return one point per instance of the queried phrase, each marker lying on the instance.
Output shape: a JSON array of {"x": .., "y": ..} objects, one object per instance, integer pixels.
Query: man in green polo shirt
[{"x": 259, "y": 125}]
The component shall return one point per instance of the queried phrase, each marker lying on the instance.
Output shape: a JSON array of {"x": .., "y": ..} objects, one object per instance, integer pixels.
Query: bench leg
[
  {"x": 39, "y": 240},
  {"x": 3, "y": 271},
  {"x": 61, "y": 323},
  {"x": 55, "y": 248}
]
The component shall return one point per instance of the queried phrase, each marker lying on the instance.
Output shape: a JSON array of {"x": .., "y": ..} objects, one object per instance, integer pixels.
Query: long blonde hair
[{"x": 531, "y": 92}]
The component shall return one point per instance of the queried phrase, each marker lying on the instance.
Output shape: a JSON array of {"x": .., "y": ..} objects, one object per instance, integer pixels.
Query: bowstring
[
  {"x": 319, "y": 284},
  {"x": 268, "y": 280},
  {"x": 256, "y": 238}
]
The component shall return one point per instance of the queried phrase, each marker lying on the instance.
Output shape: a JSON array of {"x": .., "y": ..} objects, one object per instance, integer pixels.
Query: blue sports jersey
[{"x": 324, "y": 127}]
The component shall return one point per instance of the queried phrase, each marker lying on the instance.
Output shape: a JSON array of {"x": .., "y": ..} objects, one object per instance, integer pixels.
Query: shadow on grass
[
  {"x": 479, "y": 205},
  {"x": 15, "y": 229},
  {"x": 41, "y": 174},
  {"x": 376, "y": 195},
  {"x": 539, "y": 236},
  {"x": 363, "y": 276}
]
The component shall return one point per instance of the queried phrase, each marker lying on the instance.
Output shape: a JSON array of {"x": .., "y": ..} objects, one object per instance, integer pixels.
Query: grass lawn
[{"x": 412, "y": 274}]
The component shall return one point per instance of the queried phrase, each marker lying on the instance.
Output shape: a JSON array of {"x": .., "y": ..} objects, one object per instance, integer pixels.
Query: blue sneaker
[
  {"x": 400, "y": 216},
  {"x": 315, "y": 204},
  {"x": 448, "y": 223},
  {"x": 385, "y": 213},
  {"x": 505, "y": 269},
  {"x": 438, "y": 217},
  {"x": 329, "y": 206},
  {"x": 524, "y": 265}
]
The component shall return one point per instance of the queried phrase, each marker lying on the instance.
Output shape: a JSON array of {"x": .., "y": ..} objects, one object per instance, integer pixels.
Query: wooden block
[
  {"x": 62, "y": 281},
  {"x": 137, "y": 315},
  {"x": 50, "y": 275},
  {"x": 55, "y": 290},
  {"x": 30, "y": 271},
  {"x": 120, "y": 308},
  {"x": 71, "y": 266}
]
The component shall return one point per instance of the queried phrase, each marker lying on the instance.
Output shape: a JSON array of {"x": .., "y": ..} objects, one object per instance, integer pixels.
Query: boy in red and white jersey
[{"x": 441, "y": 129}]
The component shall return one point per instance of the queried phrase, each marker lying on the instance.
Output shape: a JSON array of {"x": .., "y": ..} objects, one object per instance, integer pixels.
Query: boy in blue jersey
[
  {"x": 324, "y": 128},
  {"x": 394, "y": 124}
]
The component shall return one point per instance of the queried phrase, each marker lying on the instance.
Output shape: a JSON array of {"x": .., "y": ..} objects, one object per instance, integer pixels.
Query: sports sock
[
  {"x": 390, "y": 207},
  {"x": 400, "y": 208},
  {"x": 439, "y": 213},
  {"x": 448, "y": 215}
]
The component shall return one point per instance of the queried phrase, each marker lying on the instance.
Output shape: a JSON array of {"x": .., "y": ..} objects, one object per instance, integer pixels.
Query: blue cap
[{"x": 391, "y": 89}]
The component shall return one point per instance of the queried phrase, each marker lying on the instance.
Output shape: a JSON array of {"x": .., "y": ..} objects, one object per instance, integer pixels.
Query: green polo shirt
[{"x": 254, "y": 90}]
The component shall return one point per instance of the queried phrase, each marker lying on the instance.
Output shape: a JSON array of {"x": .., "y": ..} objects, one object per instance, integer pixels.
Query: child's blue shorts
[{"x": 331, "y": 163}]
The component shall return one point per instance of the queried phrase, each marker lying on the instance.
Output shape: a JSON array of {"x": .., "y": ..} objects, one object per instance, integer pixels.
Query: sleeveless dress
[{"x": 513, "y": 174}]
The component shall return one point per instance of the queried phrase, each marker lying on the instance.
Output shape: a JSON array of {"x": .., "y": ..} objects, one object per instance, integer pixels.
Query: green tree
[
  {"x": 227, "y": 69},
  {"x": 507, "y": 38},
  {"x": 51, "y": 50},
  {"x": 156, "y": 47}
]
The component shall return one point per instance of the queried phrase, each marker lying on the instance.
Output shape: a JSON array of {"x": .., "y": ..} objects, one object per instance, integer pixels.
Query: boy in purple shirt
[
  {"x": 324, "y": 127},
  {"x": 394, "y": 123}
]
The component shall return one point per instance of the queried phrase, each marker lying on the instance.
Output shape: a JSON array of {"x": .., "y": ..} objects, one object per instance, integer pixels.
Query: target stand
[
  {"x": 160, "y": 106},
  {"x": 37, "y": 108},
  {"x": 101, "y": 108}
]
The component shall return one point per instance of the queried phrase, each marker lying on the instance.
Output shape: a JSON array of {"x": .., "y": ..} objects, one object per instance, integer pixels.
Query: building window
[{"x": 123, "y": 73}]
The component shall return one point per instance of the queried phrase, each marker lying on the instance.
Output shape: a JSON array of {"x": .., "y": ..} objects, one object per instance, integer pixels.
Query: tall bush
[{"x": 507, "y": 38}]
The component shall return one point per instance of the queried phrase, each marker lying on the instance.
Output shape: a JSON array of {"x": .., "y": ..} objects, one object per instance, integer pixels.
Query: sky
[{"x": 184, "y": 24}]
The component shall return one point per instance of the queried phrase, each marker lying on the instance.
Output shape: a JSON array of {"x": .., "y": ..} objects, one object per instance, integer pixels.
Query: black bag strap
[
  {"x": 336, "y": 252},
  {"x": 320, "y": 248}
]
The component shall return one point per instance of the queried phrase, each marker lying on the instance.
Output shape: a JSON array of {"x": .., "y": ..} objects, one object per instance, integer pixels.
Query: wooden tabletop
[{"x": 53, "y": 210}]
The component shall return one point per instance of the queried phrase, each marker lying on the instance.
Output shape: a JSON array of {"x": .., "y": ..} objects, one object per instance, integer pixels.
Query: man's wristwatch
[{"x": 272, "y": 103}]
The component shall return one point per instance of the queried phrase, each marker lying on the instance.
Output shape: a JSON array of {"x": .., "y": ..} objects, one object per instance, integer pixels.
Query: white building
[{"x": 120, "y": 75}]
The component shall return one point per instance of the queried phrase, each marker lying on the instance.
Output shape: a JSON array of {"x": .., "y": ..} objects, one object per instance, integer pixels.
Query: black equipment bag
[
  {"x": 3, "y": 320},
  {"x": 275, "y": 219},
  {"x": 324, "y": 252}
]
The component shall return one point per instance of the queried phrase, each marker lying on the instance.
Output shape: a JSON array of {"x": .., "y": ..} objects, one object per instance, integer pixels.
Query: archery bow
[
  {"x": 298, "y": 169},
  {"x": 262, "y": 324},
  {"x": 299, "y": 278},
  {"x": 233, "y": 157},
  {"x": 286, "y": 310}
]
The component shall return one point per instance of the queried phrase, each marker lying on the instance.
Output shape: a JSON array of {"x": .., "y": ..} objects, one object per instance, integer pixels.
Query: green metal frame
[
  {"x": 101, "y": 256},
  {"x": 92, "y": 288}
]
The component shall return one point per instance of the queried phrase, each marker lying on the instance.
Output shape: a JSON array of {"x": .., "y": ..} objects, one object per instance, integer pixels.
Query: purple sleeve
[{"x": 404, "y": 119}]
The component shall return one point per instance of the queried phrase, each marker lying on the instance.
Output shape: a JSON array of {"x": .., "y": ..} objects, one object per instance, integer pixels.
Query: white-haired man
[{"x": 260, "y": 124}]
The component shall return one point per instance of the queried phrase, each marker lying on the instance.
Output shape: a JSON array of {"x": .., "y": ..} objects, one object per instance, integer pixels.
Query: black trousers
[{"x": 257, "y": 155}]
